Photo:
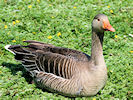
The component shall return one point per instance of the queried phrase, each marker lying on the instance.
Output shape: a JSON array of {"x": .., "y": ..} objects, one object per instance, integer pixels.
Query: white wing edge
[{"x": 7, "y": 48}]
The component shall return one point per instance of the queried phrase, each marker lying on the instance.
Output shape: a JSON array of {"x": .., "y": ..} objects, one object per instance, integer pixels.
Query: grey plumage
[{"x": 64, "y": 70}]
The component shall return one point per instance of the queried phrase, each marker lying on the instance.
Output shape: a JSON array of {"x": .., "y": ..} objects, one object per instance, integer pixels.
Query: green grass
[{"x": 73, "y": 19}]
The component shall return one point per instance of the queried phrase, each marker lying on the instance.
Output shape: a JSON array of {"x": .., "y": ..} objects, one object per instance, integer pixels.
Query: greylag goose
[{"x": 69, "y": 72}]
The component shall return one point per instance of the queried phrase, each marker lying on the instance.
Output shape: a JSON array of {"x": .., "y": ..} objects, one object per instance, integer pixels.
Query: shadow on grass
[{"x": 18, "y": 67}]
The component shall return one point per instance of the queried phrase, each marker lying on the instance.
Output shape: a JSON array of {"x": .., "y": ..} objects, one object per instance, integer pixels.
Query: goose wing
[
  {"x": 59, "y": 50},
  {"x": 38, "y": 59}
]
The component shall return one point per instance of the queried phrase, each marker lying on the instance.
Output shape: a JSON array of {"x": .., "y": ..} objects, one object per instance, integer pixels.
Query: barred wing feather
[
  {"x": 51, "y": 63},
  {"x": 34, "y": 59}
]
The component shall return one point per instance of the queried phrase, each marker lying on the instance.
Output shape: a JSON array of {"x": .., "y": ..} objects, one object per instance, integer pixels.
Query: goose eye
[{"x": 98, "y": 19}]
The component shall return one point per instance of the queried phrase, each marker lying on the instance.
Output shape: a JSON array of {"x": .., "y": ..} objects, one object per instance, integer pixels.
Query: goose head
[{"x": 101, "y": 23}]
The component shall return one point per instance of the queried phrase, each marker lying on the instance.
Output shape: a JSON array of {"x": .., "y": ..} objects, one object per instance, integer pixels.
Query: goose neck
[{"x": 97, "y": 48}]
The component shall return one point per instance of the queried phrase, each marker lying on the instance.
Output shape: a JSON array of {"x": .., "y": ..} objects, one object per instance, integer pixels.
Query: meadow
[{"x": 66, "y": 23}]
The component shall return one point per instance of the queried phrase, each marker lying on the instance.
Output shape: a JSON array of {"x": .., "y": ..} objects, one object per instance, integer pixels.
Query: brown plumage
[{"x": 64, "y": 70}]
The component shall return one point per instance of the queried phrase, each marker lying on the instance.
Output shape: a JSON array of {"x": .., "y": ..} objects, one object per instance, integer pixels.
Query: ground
[{"x": 66, "y": 23}]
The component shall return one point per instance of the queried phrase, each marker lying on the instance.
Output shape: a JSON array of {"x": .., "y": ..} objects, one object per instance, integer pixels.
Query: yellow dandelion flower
[
  {"x": 50, "y": 5},
  {"x": 111, "y": 11},
  {"x": 52, "y": 17},
  {"x": 30, "y": 6},
  {"x": 23, "y": 40},
  {"x": 17, "y": 21},
  {"x": 108, "y": 6},
  {"x": 5, "y": 26},
  {"x": 34, "y": 32},
  {"x": 131, "y": 51},
  {"x": 74, "y": 7},
  {"x": 49, "y": 37},
  {"x": 13, "y": 41},
  {"x": 13, "y": 22},
  {"x": 94, "y": 99},
  {"x": 116, "y": 36},
  {"x": 59, "y": 34},
  {"x": 38, "y": 0}
]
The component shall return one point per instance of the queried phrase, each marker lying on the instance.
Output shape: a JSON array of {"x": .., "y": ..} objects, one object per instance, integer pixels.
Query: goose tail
[
  {"x": 18, "y": 51},
  {"x": 25, "y": 56},
  {"x": 7, "y": 47}
]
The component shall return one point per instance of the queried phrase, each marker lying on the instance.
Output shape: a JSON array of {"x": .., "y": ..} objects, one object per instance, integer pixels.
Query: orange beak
[{"x": 107, "y": 26}]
